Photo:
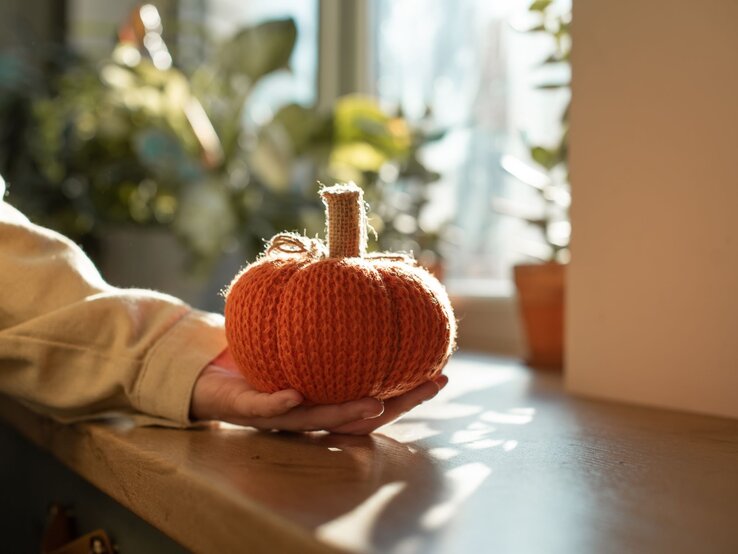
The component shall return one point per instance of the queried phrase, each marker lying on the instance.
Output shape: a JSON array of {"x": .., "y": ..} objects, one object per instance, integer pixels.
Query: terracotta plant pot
[{"x": 541, "y": 301}]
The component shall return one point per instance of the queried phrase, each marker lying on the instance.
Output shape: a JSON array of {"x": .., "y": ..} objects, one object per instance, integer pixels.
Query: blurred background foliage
[{"x": 135, "y": 141}]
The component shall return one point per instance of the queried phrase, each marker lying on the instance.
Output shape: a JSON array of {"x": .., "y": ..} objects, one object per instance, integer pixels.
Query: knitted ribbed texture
[{"x": 341, "y": 327}]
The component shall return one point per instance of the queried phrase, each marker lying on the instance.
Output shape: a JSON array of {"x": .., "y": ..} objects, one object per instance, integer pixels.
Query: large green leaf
[
  {"x": 546, "y": 157},
  {"x": 271, "y": 159},
  {"x": 359, "y": 118},
  {"x": 256, "y": 51},
  {"x": 358, "y": 155},
  {"x": 306, "y": 127}
]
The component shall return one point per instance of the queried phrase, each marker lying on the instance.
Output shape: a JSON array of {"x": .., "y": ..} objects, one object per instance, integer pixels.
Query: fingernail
[
  {"x": 441, "y": 381},
  {"x": 292, "y": 402},
  {"x": 369, "y": 414}
]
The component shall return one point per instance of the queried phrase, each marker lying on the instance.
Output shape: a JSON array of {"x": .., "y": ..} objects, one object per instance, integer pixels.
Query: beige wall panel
[{"x": 653, "y": 287}]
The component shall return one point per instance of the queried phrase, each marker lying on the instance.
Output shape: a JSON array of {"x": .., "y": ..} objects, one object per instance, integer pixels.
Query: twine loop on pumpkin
[{"x": 293, "y": 244}]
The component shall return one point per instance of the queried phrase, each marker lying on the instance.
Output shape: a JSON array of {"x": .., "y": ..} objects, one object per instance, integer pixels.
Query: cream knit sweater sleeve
[{"x": 74, "y": 347}]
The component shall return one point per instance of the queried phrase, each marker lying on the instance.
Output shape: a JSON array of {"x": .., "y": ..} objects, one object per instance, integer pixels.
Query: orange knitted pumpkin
[{"x": 337, "y": 325}]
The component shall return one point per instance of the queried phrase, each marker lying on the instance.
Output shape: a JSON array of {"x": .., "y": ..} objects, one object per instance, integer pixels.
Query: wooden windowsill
[{"x": 501, "y": 461}]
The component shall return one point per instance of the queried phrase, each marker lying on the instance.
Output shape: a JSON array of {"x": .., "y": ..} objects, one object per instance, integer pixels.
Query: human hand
[{"x": 221, "y": 393}]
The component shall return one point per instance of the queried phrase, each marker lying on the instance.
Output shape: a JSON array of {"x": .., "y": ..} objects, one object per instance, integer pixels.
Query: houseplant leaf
[{"x": 256, "y": 51}]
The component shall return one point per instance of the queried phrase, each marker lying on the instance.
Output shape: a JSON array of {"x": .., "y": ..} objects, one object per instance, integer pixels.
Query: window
[{"x": 466, "y": 62}]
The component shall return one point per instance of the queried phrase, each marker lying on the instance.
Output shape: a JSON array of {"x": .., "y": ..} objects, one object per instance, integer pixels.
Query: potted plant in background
[
  {"x": 541, "y": 285},
  {"x": 134, "y": 156},
  {"x": 130, "y": 157}
]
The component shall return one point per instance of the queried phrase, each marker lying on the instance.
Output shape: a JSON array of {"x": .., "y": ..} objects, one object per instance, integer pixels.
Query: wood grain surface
[{"x": 501, "y": 461}]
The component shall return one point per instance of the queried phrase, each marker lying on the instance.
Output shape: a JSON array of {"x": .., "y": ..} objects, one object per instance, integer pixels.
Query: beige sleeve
[{"x": 74, "y": 347}]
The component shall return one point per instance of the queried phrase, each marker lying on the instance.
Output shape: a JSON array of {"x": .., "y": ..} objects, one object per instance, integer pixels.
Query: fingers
[
  {"x": 314, "y": 418},
  {"x": 222, "y": 394},
  {"x": 249, "y": 403},
  {"x": 225, "y": 395},
  {"x": 395, "y": 408}
]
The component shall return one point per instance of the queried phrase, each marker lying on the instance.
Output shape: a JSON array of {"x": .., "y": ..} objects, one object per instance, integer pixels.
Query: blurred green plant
[
  {"x": 359, "y": 141},
  {"x": 550, "y": 175},
  {"x": 135, "y": 141}
]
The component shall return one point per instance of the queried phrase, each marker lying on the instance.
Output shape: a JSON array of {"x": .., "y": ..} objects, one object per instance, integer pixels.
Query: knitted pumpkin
[{"x": 337, "y": 324}]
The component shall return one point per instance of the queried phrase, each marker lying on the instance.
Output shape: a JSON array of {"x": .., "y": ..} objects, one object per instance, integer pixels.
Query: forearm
[{"x": 73, "y": 347}]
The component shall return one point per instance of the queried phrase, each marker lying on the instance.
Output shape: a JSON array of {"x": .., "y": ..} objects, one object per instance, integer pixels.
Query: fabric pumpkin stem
[{"x": 346, "y": 220}]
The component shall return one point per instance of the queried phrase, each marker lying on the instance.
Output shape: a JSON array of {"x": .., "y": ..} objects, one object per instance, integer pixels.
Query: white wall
[{"x": 653, "y": 285}]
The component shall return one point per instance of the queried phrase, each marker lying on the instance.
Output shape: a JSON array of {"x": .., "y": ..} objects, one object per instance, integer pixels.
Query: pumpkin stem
[{"x": 346, "y": 220}]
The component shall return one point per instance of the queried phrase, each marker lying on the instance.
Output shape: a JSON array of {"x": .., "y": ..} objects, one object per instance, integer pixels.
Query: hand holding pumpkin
[
  {"x": 221, "y": 393},
  {"x": 326, "y": 336}
]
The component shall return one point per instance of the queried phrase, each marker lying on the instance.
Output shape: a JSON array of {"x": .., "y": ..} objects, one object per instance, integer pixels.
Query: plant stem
[{"x": 346, "y": 220}]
